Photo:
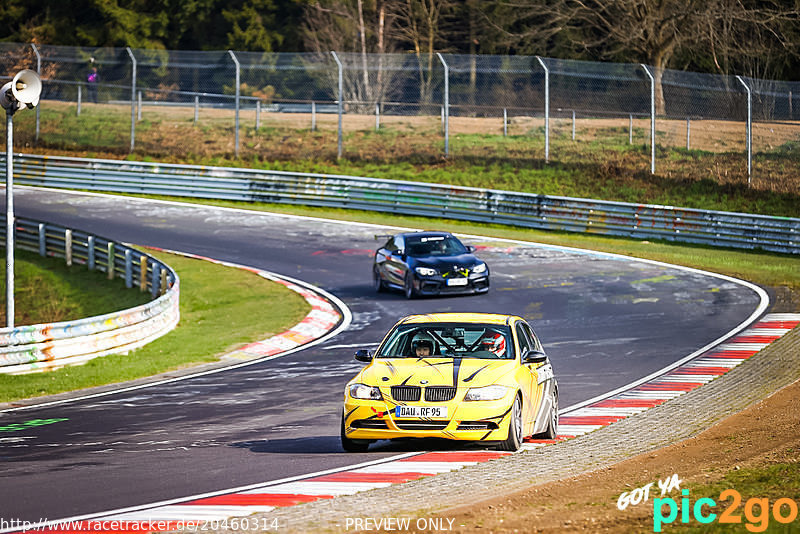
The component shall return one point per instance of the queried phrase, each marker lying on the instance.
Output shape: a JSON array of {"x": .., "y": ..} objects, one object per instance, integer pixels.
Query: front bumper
[
  {"x": 438, "y": 285},
  {"x": 467, "y": 420}
]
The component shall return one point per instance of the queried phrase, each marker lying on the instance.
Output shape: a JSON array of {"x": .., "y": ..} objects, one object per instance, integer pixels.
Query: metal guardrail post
[
  {"x": 652, "y": 118},
  {"x": 133, "y": 97},
  {"x": 238, "y": 75},
  {"x": 546, "y": 109},
  {"x": 90, "y": 255},
  {"x": 68, "y": 247},
  {"x": 39, "y": 72},
  {"x": 110, "y": 261},
  {"x": 128, "y": 269},
  {"x": 42, "y": 239},
  {"x": 749, "y": 130},
  {"x": 341, "y": 104},
  {"x": 446, "y": 107}
]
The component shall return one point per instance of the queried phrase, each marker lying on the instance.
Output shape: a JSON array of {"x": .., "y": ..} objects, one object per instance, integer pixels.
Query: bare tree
[
  {"x": 419, "y": 26},
  {"x": 357, "y": 27}
]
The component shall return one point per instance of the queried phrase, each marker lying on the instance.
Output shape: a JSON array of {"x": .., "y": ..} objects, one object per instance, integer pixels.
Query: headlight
[
  {"x": 480, "y": 268},
  {"x": 487, "y": 393},
  {"x": 425, "y": 271},
  {"x": 365, "y": 392}
]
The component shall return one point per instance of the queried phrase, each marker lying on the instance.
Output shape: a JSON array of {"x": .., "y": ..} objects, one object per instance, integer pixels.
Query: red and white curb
[{"x": 675, "y": 382}]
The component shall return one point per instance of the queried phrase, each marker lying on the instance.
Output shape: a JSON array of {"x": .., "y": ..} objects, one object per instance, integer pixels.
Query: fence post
[
  {"x": 39, "y": 72},
  {"x": 446, "y": 105},
  {"x": 505, "y": 122},
  {"x": 749, "y": 129},
  {"x": 546, "y": 109},
  {"x": 630, "y": 128},
  {"x": 196, "y": 108},
  {"x": 138, "y": 105},
  {"x": 688, "y": 132},
  {"x": 313, "y": 116},
  {"x": 377, "y": 116},
  {"x": 80, "y": 86},
  {"x": 42, "y": 239},
  {"x": 341, "y": 105},
  {"x": 133, "y": 96},
  {"x": 90, "y": 259},
  {"x": 652, "y": 118},
  {"x": 258, "y": 114},
  {"x": 573, "y": 124},
  {"x": 236, "y": 126}
]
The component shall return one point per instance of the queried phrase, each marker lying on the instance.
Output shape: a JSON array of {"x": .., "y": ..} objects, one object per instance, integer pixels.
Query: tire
[
  {"x": 352, "y": 445},
  {"x": 377, "y": 281},
  {"x": 514, "y": 440},
  {"x": 408, "y": 286},
  {"x": 552, "y": 424}
]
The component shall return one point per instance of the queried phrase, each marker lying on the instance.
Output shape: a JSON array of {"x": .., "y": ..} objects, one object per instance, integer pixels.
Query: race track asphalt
[{"x": 605, "y": 321}]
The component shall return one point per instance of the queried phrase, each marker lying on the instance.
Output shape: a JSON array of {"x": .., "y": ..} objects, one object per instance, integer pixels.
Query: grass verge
[{"x": 221, "y": 308}]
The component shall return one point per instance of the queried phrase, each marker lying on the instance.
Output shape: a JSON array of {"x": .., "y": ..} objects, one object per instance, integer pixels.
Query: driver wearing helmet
[
  {"x": 495, "y": 343},
  {"x": 422, "y": 346}
]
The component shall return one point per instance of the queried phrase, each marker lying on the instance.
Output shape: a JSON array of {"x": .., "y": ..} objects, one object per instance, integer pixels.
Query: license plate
[
  {"x": 421, "y": 412},
  {"x": 457, "y": 282}
]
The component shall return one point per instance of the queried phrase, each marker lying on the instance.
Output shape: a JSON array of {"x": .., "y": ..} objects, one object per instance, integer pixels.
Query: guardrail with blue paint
[
  {"x": 638, "y": 221},
  {"x": 26, "y": 349}
]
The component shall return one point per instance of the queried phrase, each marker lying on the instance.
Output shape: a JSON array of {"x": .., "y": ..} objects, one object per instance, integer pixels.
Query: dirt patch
[{"x": 765, "y": 434}]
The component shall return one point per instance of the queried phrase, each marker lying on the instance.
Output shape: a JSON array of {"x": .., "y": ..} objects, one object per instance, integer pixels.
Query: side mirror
[
  {"x": 364, "y": 355},
  {"x": 534, "y": 356},
  {"x": 470, "y": 248}
]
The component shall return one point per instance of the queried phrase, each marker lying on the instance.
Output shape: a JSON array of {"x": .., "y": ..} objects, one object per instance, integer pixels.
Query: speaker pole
[
  {"x": 21, "y": 92},
  {"x": 9, "y": 217}
]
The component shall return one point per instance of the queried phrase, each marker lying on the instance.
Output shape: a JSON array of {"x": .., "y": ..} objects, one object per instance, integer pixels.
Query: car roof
[
  {"x": 426, "y": 233},
  {"x": 477, "y": 318}
]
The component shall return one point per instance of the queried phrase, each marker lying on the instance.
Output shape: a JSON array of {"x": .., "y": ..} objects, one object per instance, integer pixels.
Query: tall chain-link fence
[{"x": 191, "y": 105}]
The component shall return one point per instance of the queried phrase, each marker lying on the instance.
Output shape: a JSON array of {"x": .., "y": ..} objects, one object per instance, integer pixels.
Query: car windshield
[
  {"x": 434, "y": 246},
  {"x": 441, "y": 340}
]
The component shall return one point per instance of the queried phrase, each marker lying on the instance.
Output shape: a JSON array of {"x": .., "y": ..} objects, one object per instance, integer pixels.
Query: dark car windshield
[
  {"x": 448, "y": 340},
  {"x": 434, "y": 246}
]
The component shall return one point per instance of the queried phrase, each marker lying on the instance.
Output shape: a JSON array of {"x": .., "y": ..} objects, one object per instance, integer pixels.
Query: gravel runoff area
[{"x": 775, "y": 367}]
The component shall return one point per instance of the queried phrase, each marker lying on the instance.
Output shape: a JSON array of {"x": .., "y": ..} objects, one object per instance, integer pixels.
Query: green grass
[
  {"x": 46, "y": 291},
  {"x": 221, "y": 308}
]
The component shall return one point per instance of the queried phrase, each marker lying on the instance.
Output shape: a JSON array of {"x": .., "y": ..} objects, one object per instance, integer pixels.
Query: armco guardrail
[
  {"x": 26, "y": 349},
  {"x": 639, "y": 221}
]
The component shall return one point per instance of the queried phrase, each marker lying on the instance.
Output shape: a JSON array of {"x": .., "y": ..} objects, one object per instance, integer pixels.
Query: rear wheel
[
  {"x": 514, "y": 440},
  {"x": 552, "y": 424},
  {"x": 408, "y": 286},
  {"x": 377, "y": 281},
  {"x": 352, "y": 445}
]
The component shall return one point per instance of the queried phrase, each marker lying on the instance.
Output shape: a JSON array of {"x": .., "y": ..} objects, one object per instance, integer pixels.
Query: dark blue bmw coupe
[{"x": 428, "y": 263}]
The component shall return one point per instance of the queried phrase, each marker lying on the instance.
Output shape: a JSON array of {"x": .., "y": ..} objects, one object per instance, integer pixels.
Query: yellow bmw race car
[{"x": 461, "y": 376}]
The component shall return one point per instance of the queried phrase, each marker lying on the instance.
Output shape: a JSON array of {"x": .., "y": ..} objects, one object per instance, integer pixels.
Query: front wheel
[
  {"x": 408, "y": 286},
  {"x": 514, "y": 440},
  {"x": 352, "y": 445}
]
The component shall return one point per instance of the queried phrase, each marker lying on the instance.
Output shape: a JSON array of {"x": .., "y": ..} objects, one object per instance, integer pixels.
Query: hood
[
  {"x": 446, "y": 263},
  {"x": 469, "y": 372}
]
